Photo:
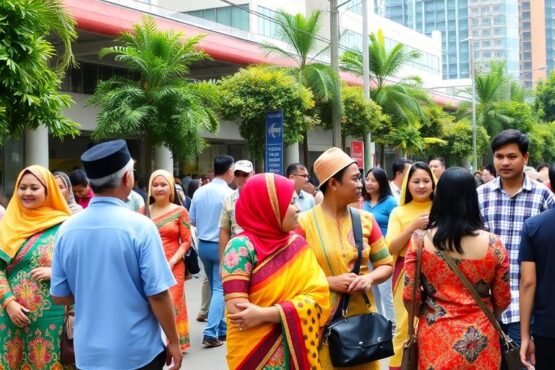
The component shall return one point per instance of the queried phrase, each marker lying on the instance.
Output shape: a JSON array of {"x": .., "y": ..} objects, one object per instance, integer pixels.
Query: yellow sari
[
  {"x": 400, "y": 218},
  {"x": 301, "y": 298},
  {"x": 336, "y": 253}
]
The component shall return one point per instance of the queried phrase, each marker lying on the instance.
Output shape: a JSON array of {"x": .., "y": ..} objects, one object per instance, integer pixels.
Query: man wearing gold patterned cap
[{"x": 328, "y": 229}]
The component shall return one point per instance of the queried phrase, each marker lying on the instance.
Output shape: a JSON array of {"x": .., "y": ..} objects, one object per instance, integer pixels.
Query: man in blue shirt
[
  {"x": 298, "y": 173},
  {"x": 206, "y": 208},
  {"x": 109, "y": 262},
  {"x": 537, "y": 291}
]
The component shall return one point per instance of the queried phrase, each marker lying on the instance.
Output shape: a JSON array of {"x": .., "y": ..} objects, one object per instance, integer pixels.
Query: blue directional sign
[{"x": 273, "y": 158}]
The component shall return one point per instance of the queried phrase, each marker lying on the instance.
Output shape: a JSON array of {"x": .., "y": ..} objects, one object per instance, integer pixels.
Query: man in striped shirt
[{"x": 506, "y": 203}]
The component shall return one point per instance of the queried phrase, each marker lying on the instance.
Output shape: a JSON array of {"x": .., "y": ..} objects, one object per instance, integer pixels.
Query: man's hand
[
  {"x": 341, "y": 283},
  {"x": 174, "y": 356},
  {"x": 528, "y": 353}
]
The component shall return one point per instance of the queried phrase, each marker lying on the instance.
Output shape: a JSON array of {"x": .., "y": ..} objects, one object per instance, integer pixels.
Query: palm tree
[
  {"x": 401, "y": 99},
  {"x": 300, "y": 33},
  {"x": 29, "y": 87},
  {"x": 492, "y": 89},
  {"x": 162, "y": 105}
]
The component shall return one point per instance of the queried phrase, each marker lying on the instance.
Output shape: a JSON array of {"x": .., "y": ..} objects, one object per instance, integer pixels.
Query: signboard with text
[
  {"x": 357, "y": 152},
  {"x": 273, "y": 158}
]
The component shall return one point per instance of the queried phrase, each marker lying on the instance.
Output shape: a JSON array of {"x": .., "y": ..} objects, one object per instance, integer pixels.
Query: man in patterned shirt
[{"x": 506, "y": 203}]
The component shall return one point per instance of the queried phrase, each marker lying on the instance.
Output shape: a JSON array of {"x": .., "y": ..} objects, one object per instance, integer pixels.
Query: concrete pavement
[{"x": 198, "y": 357}]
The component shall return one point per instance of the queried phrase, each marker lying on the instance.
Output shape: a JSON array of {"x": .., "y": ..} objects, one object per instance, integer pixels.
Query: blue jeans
[{"x": 209, "y": 255}]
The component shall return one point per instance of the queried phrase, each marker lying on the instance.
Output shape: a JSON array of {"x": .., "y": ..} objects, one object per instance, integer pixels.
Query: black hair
[
  {"x": 399, "y": 166},
  {"x": 193, "y": 186},
  {"x": 381, "y": 178},
  {"x": 440, "y": 159},
  {"x": 455, "y": 211},
  {"x": 541, "y": 166},
  {"x": 78, "y": 177},
  {"x": 222, "y": 164},
  {"x": 510, "y": 137},
  {"x": 419, "y": 166},
  {"x": 552, "y": 175},
  {"x": 293, "y": 167},
  {"x": 491, "y": 168},
  {"x": 338, "y": 177}
]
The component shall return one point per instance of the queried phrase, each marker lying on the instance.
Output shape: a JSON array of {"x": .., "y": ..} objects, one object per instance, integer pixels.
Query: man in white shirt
[{"x": 399, "y": 169}]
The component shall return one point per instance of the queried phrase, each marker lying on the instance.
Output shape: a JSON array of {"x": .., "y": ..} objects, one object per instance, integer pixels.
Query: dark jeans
[
  {"x": 156, "y": 364},
  {"x": 545, "y": 353}
]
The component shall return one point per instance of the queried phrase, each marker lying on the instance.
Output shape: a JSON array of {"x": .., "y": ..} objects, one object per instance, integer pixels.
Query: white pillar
[
  {"x": 291, "y": 154},
  {"x": 36, "y": 146},
  {"x": 163, "y": 159}
]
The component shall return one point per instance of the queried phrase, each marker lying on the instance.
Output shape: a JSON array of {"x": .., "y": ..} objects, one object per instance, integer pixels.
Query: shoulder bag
[
  {"x": 191, "y": 260},
  {"x": 358, "y": 339},
  {"x": 67, "y": 354},
  {"x": 410, "y": 348},
  {"x": 510, "y": 350}
]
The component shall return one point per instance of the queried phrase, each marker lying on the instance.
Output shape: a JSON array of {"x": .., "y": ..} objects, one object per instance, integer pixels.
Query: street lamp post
[
  {"x": 473, "y": 84},
  {"x": 334, "y": 54},
  {"x": 473, "y": 81}
]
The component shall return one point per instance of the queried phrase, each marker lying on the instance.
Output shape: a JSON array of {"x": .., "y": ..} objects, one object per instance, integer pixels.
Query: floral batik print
[
  {"x": 471, "y": 345},
  {"x": 453, "y": 332},
  {"x": 35, "y": 346}
]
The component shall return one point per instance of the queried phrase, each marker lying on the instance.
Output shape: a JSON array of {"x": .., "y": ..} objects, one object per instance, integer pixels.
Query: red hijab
[{"x": 261, "y": 209}]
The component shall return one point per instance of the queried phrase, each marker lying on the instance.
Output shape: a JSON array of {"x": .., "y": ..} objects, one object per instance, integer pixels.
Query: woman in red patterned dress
[
  {"x": 453, "y": 332},
  {"x": 172, "y": 221}
]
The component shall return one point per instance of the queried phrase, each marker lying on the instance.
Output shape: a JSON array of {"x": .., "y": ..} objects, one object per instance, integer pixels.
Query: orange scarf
[{"x": 19, "y": 223}]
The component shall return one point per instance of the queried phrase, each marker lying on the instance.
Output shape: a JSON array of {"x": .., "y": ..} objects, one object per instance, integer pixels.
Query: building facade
[
  {"x": 450, "y": 17},
  {"x": 537, "y": 33}
]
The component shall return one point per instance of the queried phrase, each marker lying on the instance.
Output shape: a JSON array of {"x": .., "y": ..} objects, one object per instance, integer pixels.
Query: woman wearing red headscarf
[{"x": 274, "y": 312}]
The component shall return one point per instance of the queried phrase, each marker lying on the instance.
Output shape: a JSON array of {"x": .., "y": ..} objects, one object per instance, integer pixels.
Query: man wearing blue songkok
[{"x": 109, "y": 262}]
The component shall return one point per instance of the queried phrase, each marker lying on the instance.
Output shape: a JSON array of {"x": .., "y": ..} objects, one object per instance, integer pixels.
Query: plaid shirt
[{"x": 505, "y": 217}]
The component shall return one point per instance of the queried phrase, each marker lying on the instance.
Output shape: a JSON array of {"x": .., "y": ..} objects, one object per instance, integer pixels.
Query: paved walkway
[{"x": 199, "y": 357}]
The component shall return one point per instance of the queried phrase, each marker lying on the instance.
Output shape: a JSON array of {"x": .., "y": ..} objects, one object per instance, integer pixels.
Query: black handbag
[
  {"x": 509, "y": 349},
  {"x": 191, "y": 261},
  {"x": 358, "y": 339}
]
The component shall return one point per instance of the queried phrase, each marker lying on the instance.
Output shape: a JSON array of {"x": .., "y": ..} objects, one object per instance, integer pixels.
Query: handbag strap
[
  {"x": 453, "y": 265},
  {"x": 416, "y": 286},
  {"x": 357, "y": 234}
]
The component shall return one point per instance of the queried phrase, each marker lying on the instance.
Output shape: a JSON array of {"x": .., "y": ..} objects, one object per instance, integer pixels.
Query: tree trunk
[
  {"x": 148, "y": 155},
  {"x": 382, "y": 155},
  {"x": 305, "y": 148}
]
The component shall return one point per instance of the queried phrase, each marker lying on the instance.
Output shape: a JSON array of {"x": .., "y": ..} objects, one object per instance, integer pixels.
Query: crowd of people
[{"x": 278, "y": 256}]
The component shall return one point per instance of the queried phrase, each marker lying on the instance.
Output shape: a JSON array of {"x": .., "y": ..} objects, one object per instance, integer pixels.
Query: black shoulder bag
[{"x": 358, "y": 339}]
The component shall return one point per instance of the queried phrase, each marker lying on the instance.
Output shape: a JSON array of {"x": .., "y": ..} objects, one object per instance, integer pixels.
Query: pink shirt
[{"x": 84, "y": 202}]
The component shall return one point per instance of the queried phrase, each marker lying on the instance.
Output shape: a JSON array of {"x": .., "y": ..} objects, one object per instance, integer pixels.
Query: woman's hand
[
  {"x": 341, "y": 283},
  {"x": 18, "y": 314},
  {"x": 41, "y": 273},
  {"x": 360, "y": 284},
  {"x": 252, "y": 315},
  {"x": 421, "y": 221}
]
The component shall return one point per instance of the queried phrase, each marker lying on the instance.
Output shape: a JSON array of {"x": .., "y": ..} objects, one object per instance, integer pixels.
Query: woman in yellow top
[
  {"x": 417, "y": 193},
  {"x": 277, "y": 297},
  {"x": 329, "y": 231}
]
